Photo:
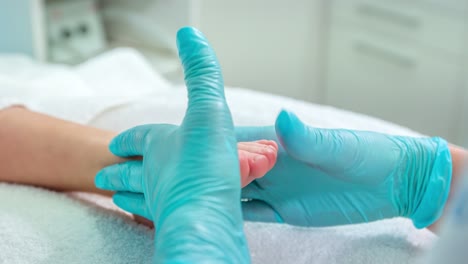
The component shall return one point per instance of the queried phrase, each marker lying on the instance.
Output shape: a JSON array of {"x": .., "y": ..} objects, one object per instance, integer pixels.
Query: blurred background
[{"x": 401, "y": 61}]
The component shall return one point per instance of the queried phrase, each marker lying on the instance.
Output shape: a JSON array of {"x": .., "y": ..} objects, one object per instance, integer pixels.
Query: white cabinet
[
  {"x": 398, "y": 61},
  {"x": 462, "y": 137}
]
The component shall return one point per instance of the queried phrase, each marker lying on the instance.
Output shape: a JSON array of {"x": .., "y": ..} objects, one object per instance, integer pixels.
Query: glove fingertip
[
  {"x": 130, "y": 142},
  {"x": 284, "y": 121},
  {"x": 114, "y": 146},
  {"x": 132, "y": 202},
  {"x": 99, "y": 180},
  {"x": 121, "y": 144},
  {"x": 289, "y": 130},
  {"x": 121, "y": 200},
  {"x": 187, "y": 33},
  {"x": 260, "y": 211},
  {"x": 118, "y": 198}
]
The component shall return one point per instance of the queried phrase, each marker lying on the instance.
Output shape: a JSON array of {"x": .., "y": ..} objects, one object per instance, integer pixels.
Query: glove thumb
[
  {"x": 204, "y": 80},
  {"x": 314, "y": 146}
]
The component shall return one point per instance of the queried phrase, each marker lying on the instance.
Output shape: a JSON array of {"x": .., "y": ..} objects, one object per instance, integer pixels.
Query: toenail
[{"x": 270, "y": 149}]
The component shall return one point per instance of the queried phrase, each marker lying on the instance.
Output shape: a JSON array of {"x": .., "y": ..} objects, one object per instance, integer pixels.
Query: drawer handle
[
  {"x": 388, "y": 15},
  {"x": 382, "y": 53}
]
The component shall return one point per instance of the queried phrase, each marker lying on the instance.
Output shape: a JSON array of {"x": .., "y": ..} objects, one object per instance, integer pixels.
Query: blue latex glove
[
  {"x": 188, "y": 181},
  {"x": 333, "y": 176}
]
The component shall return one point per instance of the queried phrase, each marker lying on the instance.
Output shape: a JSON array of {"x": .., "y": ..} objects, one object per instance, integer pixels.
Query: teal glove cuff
[{"x": 438, "y": 188}]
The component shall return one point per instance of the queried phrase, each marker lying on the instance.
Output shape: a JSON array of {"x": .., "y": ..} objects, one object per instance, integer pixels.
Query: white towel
[
  {"x": 81, "y": 92},
  {"x": 39, "y": 226}
]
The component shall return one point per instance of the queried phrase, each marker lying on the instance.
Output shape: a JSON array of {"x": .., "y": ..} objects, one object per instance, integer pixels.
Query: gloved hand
[
  {"x": 188, "y": 181},
  {"x": 328, "y": 177}
]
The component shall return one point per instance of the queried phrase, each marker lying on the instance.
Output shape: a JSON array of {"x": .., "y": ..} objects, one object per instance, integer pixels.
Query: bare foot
[{"x": 255, "y": 159}]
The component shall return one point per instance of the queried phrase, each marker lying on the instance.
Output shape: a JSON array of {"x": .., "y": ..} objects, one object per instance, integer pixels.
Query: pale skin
[{"x": 52, "y": 153}]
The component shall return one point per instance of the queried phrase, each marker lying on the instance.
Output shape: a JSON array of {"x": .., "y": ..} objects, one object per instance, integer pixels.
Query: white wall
[
  {"x": 151, "y": 23},
  {"x": 21, "y": 28},
  {"x": 266, "y": 45}
]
